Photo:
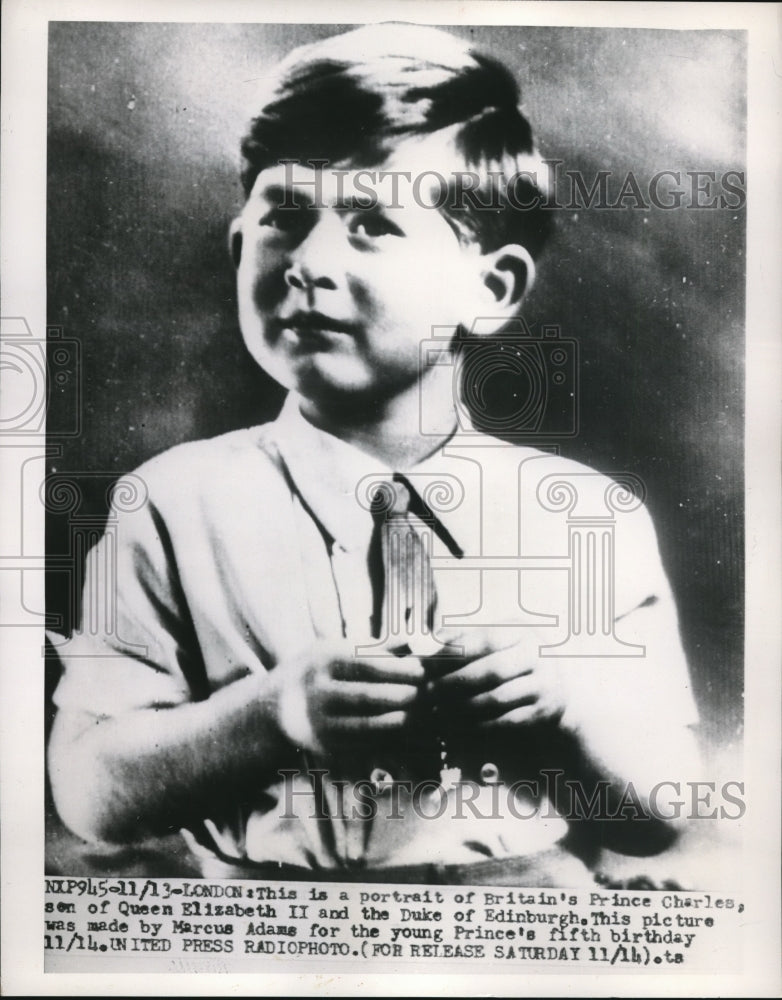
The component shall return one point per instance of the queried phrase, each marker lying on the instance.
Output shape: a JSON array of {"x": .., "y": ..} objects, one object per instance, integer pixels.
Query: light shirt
[{"x": 252, "y": 545}]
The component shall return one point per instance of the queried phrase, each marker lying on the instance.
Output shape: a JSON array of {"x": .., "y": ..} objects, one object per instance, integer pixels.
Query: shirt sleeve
[
  {"x": 135, "y": 646},
  {"x": 635, "y": 670},
  {"x": 650, "y": 685}
]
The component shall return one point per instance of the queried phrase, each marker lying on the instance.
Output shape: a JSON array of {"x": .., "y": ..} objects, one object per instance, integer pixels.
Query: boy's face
[{"x": 335, "y": 298}]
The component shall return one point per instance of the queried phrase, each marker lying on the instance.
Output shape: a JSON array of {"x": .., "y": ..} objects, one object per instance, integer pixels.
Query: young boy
[{"x": 325, "y": 661}]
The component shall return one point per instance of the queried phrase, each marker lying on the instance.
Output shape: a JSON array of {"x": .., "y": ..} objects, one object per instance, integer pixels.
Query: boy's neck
[{"x": 390, "y": 431}]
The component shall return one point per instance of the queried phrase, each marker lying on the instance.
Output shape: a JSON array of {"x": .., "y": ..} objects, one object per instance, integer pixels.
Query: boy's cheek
[{"x": 265, "y": 287}]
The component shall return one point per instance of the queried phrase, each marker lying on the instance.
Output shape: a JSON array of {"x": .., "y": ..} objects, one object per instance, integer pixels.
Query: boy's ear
[
  {"x": 508, "y": 275},
  {"x": 235, "y": 242}
]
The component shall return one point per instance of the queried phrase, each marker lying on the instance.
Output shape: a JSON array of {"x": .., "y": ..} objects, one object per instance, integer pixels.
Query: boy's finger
[
  {"x": 512, "y": 694},
  {"x": 522, "y": 715},
  {"x": 377, "y": 723},
  {"x": 390, "y": 669},
  {"x": 345, "y": 698},
  {"x": 445, "y": 661},
  {"x": 483, "y": 674}
]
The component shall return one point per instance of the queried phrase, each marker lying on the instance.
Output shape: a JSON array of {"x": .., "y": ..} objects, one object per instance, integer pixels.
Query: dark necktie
[
  {"x": 404, "y": 601},
  {"x": 404, "y": 597},
  {"x": 404, "y": 605}
]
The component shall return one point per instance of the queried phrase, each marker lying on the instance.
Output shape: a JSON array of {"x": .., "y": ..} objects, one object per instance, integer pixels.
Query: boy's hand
[
  {"x": 326, "y": 695},
  {"x": 498, "y": 680}
]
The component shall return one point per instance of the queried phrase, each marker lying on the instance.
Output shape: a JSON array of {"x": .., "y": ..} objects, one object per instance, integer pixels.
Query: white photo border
[{"x": 24, "y": 99}]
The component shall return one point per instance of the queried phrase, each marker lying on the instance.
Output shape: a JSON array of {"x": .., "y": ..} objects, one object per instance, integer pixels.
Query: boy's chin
[
  {"x": 328, "y": 396},
  {"x": 337, "y": 387}
]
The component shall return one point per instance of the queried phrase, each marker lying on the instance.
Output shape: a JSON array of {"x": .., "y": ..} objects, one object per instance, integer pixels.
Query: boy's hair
[{"x": 351, "y": 99}]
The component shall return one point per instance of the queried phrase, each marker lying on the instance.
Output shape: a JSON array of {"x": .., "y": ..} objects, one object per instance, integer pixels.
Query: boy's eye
[
  {"x": 286, "y": 219},
  {"x": 371, "y": 225}
]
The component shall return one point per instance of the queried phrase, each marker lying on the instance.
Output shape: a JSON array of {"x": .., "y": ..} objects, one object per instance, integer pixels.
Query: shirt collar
[{"x": 336, "y": 479}]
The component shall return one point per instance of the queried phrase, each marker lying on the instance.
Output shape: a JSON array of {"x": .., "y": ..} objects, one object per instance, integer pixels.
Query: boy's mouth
[{"x": 313, "y": 328}]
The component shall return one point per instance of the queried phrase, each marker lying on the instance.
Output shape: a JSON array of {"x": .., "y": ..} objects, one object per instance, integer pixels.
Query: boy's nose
[
  {"x": 298, "y": 275},
  {"x": 314, "y": 262}
]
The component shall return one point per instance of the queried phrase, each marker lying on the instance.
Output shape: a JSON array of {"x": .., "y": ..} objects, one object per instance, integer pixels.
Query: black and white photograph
[{"x": 384, "y": 442}]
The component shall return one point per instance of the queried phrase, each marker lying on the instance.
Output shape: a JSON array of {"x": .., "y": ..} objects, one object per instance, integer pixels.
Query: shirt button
[{"x": 490, "y": 774}]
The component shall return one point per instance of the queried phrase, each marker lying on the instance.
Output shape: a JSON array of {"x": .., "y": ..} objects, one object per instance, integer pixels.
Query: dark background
[{"x": 144, "y": 122}]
